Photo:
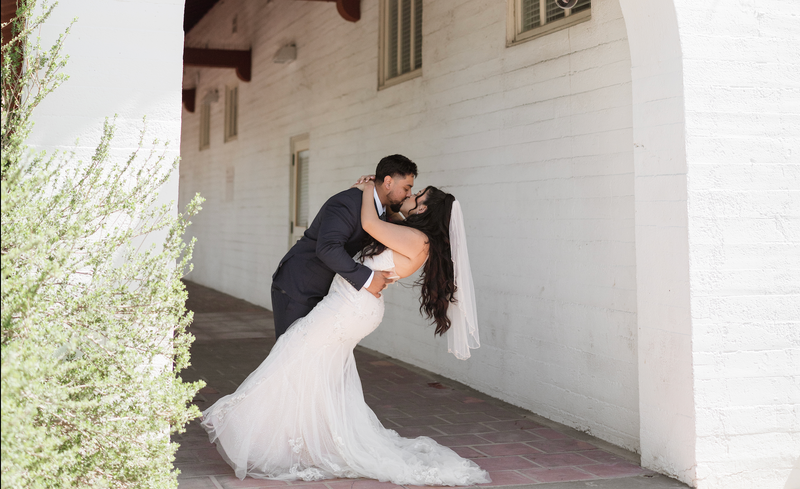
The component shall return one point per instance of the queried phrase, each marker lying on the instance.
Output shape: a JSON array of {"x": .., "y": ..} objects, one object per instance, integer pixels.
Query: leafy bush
[{"x": 93, "y": 318}]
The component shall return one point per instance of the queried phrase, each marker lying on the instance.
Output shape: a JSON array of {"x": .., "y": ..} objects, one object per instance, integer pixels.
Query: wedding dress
[{"x": 301, "y": 414}]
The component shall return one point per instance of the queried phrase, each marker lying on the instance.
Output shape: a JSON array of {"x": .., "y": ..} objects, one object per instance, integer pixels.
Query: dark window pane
[
  {"x": 405, "y": 47},
  {"x": 233, "y": 113},
  {"x": 302, "y": 189},
  {"x": 582, "y": 5},
  {"x": 554, "y": 12},
  {"x": 392, "y": 44},
  {"x": 530, "y": 15},
  {"x": 417, "y": 33}
]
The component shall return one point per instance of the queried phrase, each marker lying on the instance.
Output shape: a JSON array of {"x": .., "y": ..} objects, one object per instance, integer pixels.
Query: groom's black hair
[{"x": 394, "y": 165}]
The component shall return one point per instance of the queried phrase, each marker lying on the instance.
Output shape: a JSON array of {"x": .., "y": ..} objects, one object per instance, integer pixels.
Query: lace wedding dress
[{"x": 301, "y": 414}]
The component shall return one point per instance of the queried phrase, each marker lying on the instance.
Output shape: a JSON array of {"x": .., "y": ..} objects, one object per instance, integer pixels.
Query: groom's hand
[{"x": 379, "y": 282}]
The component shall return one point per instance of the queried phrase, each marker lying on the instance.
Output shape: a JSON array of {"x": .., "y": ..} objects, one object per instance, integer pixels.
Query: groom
[{"x": 327, "y": 247}]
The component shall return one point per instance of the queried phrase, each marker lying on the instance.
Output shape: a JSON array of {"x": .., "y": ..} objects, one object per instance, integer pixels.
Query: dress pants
[{"x": 286, "y": 310}]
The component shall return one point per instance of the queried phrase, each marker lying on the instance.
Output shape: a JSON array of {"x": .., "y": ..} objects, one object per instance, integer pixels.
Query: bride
[{"x": 301, "y": 414}]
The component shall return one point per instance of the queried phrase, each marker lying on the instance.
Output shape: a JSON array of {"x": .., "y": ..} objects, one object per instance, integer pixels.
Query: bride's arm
[{"x": 404, "y": 240}]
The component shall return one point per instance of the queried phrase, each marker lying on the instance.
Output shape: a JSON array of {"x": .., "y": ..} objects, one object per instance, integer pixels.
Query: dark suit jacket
[{"x": 326, "y": 248}]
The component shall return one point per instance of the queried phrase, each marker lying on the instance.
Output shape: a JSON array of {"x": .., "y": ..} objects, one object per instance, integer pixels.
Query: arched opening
[{"x": 666, "y": 401}]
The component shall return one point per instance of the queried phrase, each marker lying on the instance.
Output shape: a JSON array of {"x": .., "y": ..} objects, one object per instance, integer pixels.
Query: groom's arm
[{"x": 337, "y": 225}]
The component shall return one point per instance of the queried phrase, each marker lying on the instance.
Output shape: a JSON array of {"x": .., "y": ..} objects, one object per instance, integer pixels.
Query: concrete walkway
[{"x": 517, "y": 447}]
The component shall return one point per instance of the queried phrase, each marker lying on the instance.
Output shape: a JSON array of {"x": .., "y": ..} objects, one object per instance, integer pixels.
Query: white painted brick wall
[
  {"x": 741, "y": 61},
  {"x": 534, "y": 140},
  {"x": 717, "y": 239},
  {"x": 125, "y": 59}
]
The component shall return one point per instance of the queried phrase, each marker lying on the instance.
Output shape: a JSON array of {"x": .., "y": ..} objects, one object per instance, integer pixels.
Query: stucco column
[
  {"x": 666, "y": 402},
  {"x": 125, "y": 59}
]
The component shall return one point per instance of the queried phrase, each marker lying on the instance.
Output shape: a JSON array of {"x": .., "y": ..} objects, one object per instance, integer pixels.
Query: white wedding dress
[{"x": 301, "y": 414}]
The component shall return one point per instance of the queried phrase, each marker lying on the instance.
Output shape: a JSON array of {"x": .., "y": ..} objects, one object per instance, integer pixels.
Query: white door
[{"x": 299, "y": 188}]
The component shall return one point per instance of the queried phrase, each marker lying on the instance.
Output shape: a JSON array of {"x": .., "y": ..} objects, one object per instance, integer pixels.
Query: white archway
[{"x": 666, "y": 404}]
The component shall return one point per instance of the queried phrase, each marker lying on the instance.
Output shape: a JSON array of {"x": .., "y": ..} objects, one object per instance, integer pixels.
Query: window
[
  {"x": 529, "y": 19},
  {"x": 298, "y": 189},
  {"x": 400, "y": 48},
  {"x": 205, "y": 125},
  {"x": 231, "y": 113}
]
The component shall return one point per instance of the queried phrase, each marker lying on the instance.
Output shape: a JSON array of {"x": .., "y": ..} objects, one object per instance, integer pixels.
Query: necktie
[{"x": 383, "y": 216}]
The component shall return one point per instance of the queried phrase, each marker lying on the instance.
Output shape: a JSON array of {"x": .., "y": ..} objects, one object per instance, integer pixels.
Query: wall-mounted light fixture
[
  {"x": 286, "y": 54},
  {"x": 211, "y": 96}
]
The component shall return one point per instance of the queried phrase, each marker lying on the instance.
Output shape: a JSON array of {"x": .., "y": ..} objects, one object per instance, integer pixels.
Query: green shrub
[{"x": 93, "y": 316}]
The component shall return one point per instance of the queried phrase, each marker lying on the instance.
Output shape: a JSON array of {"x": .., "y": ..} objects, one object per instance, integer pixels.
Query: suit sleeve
[{"x": 337, "y": 225}]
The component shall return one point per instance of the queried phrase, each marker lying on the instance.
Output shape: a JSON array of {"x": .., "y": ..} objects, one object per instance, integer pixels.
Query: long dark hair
[{"x": 437, "y": 281}]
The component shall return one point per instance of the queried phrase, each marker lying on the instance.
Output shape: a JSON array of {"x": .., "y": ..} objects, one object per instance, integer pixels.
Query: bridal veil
[{"x": 463, "y": 332}]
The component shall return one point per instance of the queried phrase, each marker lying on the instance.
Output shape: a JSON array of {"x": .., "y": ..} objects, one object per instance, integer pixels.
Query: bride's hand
[
  {"x": 365, "y": 186},
  {"x": 361, "y": 182}
]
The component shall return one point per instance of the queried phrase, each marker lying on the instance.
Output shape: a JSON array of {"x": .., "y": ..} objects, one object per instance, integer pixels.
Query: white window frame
[
  {"x": 297, "y": 143},
  {"x": 383, "y": 46},
  {"x": 205, "y": 125},
  {"x": 514, "y": 35},
  {"x": 231, "y": 113}
]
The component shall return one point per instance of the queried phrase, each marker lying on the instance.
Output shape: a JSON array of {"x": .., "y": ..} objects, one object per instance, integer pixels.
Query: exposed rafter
[
  {"x": 241, "y": 61},
  {"x": 189, "y": 97},
  {"x": 350, "y": 10},
  {"x": 194, "y": 10},
  {"x": 8, "y": 10}
]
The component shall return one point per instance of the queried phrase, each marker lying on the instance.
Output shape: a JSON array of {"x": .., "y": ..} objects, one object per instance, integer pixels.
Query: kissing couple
[{"x": 301, "y": 414}]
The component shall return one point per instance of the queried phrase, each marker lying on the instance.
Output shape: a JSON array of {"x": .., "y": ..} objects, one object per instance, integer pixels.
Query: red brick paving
[
  {"x": 511, "y": 436},
  {"x": 615, "y": 470},
  {"x": 559, "y": 459},
  {"x": 468, "y": 452},
  {"x": 460, "y": 440},
  {"x": 602, "y": 456},
  {"x": 497, "y": 464},
  {"x": 516, "y": 447},
  {"x": 560, "y": 474},
  {"x": 508, "y": 478},
  {"x": 551, "y": 434},
  {"x": 501, "y": 449}
]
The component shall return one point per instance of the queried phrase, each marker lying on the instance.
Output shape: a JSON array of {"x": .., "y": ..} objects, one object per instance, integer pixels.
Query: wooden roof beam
[
  {"x": 189, "y": 96},
  {"x": 350, "y": 10},
  {"x": 241, "y": 61}
]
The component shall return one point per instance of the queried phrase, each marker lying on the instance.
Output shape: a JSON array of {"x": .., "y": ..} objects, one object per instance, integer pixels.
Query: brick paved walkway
[{"x": 517, "y": 447}]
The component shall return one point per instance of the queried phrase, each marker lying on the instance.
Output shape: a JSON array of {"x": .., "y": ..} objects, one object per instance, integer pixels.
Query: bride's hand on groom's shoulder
[{"x": 362, "y": 182}]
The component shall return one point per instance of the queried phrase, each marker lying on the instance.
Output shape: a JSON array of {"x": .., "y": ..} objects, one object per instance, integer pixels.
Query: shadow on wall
[{"x": 794, "y": 477}]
